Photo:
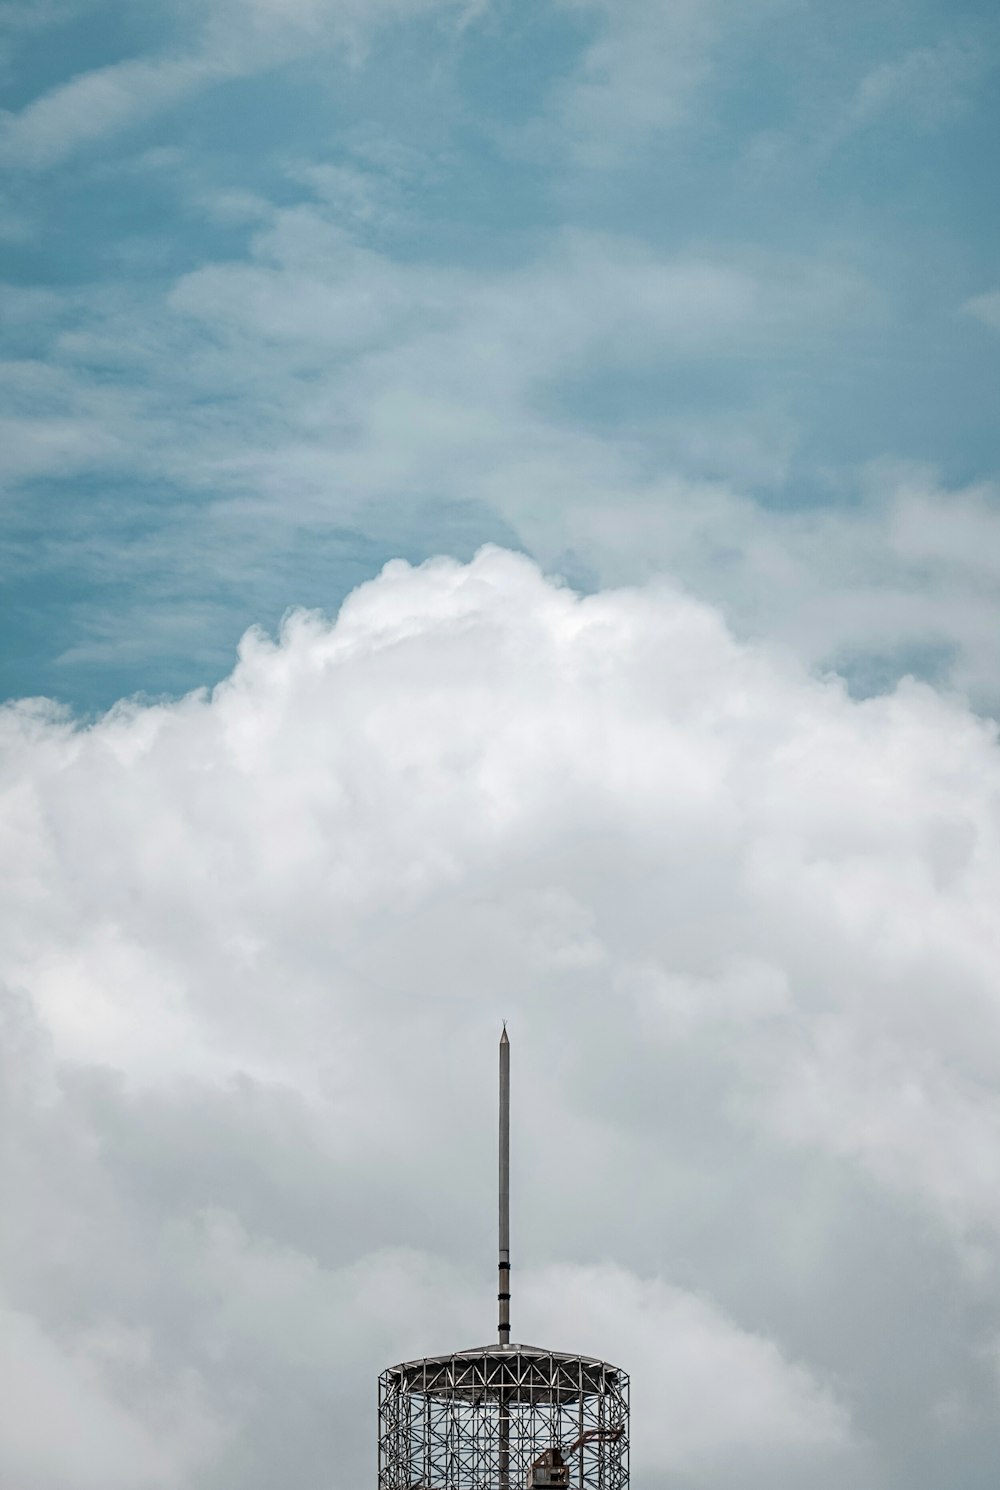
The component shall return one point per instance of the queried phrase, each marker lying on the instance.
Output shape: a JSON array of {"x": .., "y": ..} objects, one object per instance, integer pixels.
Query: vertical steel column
[
  {"x": 580, "y": 1431},
  {"x": 503, "y": 1271},
  {"x": 503, "y": 1289}
]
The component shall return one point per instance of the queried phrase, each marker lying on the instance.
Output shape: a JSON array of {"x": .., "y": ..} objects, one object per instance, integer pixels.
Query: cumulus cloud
[
  {"x": 685, "y": 1359},
  {"x": 258, "y": 943},
  {"x": 903, "y": 581}
]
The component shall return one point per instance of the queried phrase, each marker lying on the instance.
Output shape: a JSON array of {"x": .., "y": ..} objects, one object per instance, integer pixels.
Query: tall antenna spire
[
  {"x": 503, "y": 1417},
  {"x": 503, "y": 1289}
]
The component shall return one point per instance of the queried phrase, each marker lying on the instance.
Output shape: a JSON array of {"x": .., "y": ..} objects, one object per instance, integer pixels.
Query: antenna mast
[
  {"x": 503, "y": 1417},
  {"x": 503, "y": 1289}
]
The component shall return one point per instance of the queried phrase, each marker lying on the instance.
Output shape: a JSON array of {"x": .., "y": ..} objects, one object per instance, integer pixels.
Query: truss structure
[{"x": 480, "y": 1419}]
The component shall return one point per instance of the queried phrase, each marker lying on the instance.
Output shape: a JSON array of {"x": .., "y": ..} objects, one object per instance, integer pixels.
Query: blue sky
[{"x": 292, "y": 288}]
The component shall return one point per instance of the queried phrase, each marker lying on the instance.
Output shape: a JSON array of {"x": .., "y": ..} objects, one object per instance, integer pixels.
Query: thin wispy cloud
[
  {"x": 924, "y": 89},
  {"x": 985, "y": 308},
  {"x": 239, "y": 38}
]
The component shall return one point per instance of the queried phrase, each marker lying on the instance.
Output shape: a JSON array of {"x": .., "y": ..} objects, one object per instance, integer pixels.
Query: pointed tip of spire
[{"x": 503, "y": 1036}]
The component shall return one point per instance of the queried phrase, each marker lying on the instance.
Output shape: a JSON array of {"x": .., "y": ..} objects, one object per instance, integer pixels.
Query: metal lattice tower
[{"x": 503, "y": 1417}]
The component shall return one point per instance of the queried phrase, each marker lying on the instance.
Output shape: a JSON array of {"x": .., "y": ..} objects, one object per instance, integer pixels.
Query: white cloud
[
  {"x": 905, "y": 575},
  {"x": 234, "y": 38},
  {"x": 985, "y": 308},
  {"x": 927, "y": 86},
  {"x": 97, "y": 104},
  {"x": 62, "y": 1426},
  {"x": 743, "y": 927},
  {"x": 645, "y": 69},
  {"x": 920, "y": 91},
  {"x": 685, "y": 1359},
  {"x": 638, "y": 76}
]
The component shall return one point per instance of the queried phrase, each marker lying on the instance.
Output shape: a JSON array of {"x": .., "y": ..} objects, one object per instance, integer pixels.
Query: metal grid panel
[{"x": 478, "y": 1420}]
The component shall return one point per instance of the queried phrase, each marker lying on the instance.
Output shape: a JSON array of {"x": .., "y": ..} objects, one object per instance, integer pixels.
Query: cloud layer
[{"x": 257, "y": 946}]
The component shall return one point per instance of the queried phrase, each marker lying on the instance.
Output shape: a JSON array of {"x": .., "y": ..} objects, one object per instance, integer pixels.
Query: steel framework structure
[{"x": 480, "y": 1419}]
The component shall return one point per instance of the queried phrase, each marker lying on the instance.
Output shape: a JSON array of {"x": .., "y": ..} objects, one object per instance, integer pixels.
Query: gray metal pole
[{"x": 503, "y": 1289}]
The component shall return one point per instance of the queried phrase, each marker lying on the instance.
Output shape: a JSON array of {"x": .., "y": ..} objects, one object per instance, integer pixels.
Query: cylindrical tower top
[{"x": 498, "y": 1417}]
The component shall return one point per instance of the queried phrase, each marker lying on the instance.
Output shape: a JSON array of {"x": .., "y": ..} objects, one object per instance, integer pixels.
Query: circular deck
[{"x": 512, "y": 1373}]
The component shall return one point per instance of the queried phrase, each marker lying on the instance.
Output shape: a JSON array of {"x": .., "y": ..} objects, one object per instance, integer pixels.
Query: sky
[{"x": 500, "y": 521}]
